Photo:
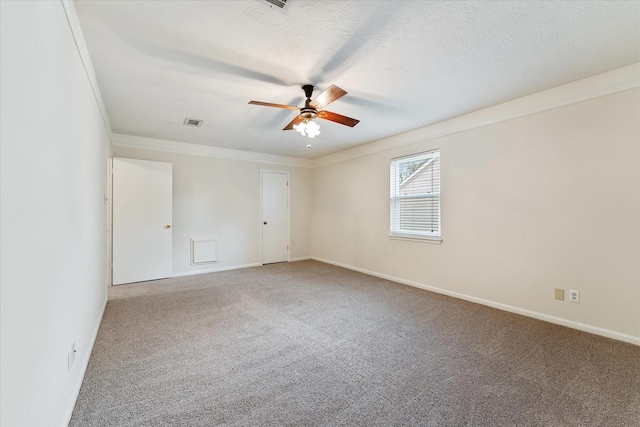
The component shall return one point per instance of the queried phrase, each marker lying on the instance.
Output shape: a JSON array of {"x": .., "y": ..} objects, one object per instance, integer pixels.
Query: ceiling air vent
[
  {"x": 192, "y": 122},
  {"x": 279, "y": 3}
]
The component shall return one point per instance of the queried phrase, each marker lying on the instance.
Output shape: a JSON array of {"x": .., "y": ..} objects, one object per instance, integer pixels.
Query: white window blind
[{"x": 415, "y": 195}]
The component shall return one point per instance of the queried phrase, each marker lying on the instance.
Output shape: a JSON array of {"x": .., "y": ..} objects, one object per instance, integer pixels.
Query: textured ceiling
[{"x": 405, "y": 64}]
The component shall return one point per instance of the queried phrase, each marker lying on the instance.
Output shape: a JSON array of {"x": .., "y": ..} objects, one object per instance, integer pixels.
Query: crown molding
[
  {"x": 143, "y": 143},
  {"x": 581, "y": 90},
  {"x": 85, "y": 58}
]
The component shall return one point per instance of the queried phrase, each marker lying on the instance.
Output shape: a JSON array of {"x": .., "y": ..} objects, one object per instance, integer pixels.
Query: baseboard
[
  {"x": 85, "y": 364},
  {"x": 215, "y": 270},
  {"x": 235, "y": 267},
  {"x": 300, "y": 258},
  {"x": 540, "y": 316}
]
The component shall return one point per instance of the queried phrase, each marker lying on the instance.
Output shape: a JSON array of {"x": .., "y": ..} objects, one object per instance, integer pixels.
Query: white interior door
[
  {"x": 142, "y": 215},
  {"x": 275, "y": 217}
]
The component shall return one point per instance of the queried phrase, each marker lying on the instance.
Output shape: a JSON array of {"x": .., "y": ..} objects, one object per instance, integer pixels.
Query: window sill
[{"x": 422, "y": 239}]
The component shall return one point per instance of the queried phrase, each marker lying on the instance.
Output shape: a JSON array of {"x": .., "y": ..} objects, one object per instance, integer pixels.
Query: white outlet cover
[{"x": 574, "y": 296}]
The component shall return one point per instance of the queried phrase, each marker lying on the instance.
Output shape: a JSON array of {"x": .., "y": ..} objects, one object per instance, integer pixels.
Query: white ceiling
[{"x": 405, "y": 64}]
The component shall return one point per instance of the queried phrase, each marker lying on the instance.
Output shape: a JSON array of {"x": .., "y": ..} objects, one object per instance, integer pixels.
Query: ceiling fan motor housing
[{"x": 308, "y": 112}]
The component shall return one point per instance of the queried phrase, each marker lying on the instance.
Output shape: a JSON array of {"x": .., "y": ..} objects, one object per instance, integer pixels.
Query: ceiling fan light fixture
[
  {"x": 307, "y": 128},
  {"x": 300, "y": 127},
  {"x": 313, "y": 129}
]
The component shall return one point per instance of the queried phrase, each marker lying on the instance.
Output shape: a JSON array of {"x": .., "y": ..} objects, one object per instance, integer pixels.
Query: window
[{"x": 415, "y": 196}]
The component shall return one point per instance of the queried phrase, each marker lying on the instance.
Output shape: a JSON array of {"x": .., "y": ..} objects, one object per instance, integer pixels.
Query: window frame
[{"x": 394, "y": 200}]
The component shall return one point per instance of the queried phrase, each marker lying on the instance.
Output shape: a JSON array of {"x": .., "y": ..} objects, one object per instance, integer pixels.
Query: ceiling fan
[{"x": 303, "y": 122}]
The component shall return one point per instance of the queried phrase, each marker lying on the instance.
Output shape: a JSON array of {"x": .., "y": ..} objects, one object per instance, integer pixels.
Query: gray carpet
[{"x": 310, "y": 344}]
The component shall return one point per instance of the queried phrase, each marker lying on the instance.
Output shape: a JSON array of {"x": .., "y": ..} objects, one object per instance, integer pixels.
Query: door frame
[
  {"x": 109, "y": 221},
  {"x": 262, "y": 172}
]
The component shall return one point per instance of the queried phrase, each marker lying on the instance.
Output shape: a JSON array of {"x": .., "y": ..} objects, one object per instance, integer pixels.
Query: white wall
[
  {"x": 220, "y": 198},
  {"x": 547, "y": 200},
  {"x": 54, "y": 147}
]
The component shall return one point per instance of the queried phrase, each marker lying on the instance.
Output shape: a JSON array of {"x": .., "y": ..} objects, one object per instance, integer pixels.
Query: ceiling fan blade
[
  {"x": 327, "y": 97},
  {"x": 269, "y": 104},
  {"x": 295, "y": 121},
  {"x": 338, "y": 118}
]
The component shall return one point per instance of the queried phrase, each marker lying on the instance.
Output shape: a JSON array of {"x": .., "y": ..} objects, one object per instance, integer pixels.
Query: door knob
[
  {"x": 167, "y": 226},
  {"x": 265, "y": 223}
]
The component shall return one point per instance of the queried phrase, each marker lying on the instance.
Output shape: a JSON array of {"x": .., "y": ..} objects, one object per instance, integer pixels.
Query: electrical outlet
[
  {"x": 574, "y": 296},
  {"x": 342, "y": 251},
  {"x": 559, "y": 295},
  {"x": 71, "y": 356}
]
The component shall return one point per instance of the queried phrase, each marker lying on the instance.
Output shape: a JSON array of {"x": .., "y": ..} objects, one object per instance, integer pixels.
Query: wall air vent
[
  {"x": 279, "y": 3},
  {"x": 192, "y": 122}
]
